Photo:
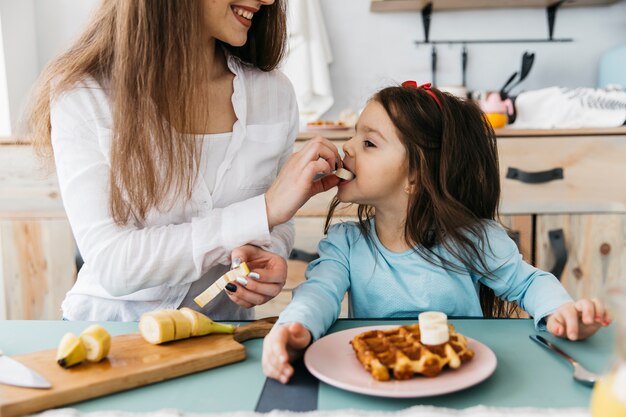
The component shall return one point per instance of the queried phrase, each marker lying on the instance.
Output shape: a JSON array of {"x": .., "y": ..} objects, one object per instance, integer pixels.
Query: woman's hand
[
  {"x": 296, "y": 181},
  {"x": 267, "y": 277},
  {"x": 578, "y": 320},
  {"x": 281, "y": 346}
]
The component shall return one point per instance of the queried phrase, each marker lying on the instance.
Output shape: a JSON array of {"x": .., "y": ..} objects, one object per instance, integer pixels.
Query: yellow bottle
[{"x": 608, "y": 398}]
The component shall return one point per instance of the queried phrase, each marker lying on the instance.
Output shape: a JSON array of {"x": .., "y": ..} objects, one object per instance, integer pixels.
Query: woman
[{"x": 168, "y": 124}]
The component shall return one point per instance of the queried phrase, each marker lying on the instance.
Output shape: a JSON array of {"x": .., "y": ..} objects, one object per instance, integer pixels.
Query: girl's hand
[
  {"x": 267, "y": 277},
  {"x": 578, "y": 320},
  {"x": 281, "y": 346},
  {"x": 296, "y": 182}
]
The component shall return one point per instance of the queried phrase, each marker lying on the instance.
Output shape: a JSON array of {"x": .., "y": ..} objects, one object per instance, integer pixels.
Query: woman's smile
[{"x": 243, "y": 14}]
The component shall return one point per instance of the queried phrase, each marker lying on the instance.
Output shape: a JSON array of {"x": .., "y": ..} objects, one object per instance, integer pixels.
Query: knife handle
[{"x": 254, "y": 330}]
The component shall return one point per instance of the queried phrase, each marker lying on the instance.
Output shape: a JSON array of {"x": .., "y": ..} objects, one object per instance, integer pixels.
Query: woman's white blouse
[{"x": 135, "y": 268}]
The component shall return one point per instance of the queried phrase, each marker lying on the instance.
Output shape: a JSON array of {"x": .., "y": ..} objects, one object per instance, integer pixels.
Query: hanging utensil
[
  {"x": 503, "y": 92},
  {"x": 464, "y": 66},
  {"x": 527, "y": 63},
  {"x": 433, "y": 66}
]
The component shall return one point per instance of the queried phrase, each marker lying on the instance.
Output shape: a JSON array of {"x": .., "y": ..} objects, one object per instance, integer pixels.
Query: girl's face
[
  {"x": 229, "y": 20},
  {"x": 378, "y": 159}
]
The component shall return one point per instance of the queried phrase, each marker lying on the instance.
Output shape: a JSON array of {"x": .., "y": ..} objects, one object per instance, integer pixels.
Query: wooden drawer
[{"x": 594, "y": 174}]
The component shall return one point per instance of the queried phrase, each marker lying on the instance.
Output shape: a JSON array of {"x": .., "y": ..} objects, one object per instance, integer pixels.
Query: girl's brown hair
[
  {"x": 453, "y": 159},
  {"x": 147, "y": 55}
]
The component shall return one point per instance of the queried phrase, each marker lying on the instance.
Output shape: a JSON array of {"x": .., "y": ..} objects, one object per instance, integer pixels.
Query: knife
[{"x": 14, "y": 373}]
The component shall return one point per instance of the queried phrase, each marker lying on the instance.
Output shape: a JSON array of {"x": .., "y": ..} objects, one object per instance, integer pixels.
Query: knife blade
[{"x": 15, "y": 373}]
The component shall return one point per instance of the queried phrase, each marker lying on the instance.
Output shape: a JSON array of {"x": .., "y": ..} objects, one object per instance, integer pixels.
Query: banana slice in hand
[
  {"x": 97, "y": 342},
  {"x": 202, "y": 325},
  {"x": 71, "y": 351}
]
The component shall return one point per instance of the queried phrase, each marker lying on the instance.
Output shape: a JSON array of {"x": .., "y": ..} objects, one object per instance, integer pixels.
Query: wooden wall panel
[
  {"x": 596, "y": 246},
  {"x": 37, "y": 267}
]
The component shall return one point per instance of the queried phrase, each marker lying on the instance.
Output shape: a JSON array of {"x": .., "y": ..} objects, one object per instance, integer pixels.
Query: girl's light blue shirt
[{"x": 381, "y": 283}]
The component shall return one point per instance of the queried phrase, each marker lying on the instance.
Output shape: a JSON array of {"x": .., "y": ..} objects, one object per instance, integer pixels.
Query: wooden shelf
[{"x": 417, "y": 5}]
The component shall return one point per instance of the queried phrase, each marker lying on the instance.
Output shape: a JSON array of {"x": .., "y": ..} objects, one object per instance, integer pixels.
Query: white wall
[
  {"x": 58, "y": 23},
  {"x": 20, "y": 56},
  {"x": 372, "y": 50}
]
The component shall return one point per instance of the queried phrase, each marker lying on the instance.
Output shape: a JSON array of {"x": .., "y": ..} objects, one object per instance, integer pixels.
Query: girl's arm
[
  {"x": 536, "y": 291},
  {"x": 129, "y": 258},
  {"x": 316, "y": 303}
]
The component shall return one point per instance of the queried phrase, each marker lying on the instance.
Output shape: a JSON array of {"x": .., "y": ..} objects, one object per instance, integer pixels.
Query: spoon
[{"x": 581, "y": 374}]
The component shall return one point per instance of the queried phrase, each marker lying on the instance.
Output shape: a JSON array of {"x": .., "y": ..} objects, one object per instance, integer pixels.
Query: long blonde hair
[{"x": 144, "y": 53}]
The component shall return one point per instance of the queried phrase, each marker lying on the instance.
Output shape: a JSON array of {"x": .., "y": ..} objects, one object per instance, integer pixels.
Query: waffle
[{"x": 398, "y": 352}]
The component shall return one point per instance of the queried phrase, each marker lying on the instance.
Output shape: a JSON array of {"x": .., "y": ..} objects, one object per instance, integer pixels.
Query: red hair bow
[{"x": 425, "y": 87}]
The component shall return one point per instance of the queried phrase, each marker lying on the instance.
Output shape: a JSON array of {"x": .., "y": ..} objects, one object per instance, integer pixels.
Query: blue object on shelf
[{"x": 612, "y": 68}]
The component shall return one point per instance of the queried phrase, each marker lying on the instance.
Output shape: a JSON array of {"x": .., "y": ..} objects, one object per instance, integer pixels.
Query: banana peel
[
  {"x": 201, "y": 325},
  {"x": 71, "y": 351}
]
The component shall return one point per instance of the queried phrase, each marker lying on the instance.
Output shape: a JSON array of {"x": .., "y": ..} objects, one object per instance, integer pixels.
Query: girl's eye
[{"x": 368, "y": 144}]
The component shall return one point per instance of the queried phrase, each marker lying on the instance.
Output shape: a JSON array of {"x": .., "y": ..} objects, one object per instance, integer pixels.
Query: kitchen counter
[{"x": 527, "y": 375}]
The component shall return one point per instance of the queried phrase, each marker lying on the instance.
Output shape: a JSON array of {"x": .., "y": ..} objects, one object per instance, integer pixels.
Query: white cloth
[
  {"x": 215, "y": 146},
  {"x": 416, "y": 411},
  {"x": 135, "y": 268},
  {"x": 308, "y": 57},
  {"x": 557, "y": 107}
]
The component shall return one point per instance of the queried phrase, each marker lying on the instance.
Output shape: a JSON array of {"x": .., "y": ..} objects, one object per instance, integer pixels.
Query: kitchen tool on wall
[
  {"x": 464, "y": 66},
  {"x": 527, "y": 63},
  {"x": 433, "y": 66}
]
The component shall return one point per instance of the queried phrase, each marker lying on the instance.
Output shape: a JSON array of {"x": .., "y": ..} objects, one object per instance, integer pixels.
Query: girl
[
  {"x": 427, "y": 185},
  {"x": 168, "y": 124}
]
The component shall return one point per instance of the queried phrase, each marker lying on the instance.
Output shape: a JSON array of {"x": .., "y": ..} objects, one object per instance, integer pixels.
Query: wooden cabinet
[{"x": 586, "y": 208}]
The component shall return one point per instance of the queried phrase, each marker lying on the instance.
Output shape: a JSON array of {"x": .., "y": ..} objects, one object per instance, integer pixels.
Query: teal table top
[{"x": 526, "y": 376}]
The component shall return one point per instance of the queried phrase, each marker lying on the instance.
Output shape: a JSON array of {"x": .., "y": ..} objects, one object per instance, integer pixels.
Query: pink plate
[{"x": 332, "y": 360}]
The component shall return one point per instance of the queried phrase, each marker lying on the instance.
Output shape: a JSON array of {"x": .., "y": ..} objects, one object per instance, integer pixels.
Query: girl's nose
[{"x": 347, "y": 148}]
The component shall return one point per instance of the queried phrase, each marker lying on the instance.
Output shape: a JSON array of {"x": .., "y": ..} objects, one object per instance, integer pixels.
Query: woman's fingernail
[
  {"x": 605, "y": 322},
  {"x": 254, "y": 275},
  {"x": 242, "y": 281},
  {"x": 235, "y": 263},
  {"x": 231, "y": 287}
]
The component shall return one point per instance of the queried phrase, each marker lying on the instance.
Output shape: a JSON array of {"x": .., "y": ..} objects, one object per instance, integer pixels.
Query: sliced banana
[
  {"x": 202, "y": 325},
  {"x": 182, "y": 326},
  {"x": 218, "y": 286},
  {"x": 97, "y": 342},
  {"x": 432, "y": 317},
  {"x": 71, "y": 351},
  {"x": 434, "y": 334},
  {"x": 156, "y": 327},
  {"x": 344, "y": 174}
]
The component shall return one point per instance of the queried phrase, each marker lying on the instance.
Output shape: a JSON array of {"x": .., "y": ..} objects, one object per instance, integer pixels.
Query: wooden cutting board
[{"x": 132, "y": 362}]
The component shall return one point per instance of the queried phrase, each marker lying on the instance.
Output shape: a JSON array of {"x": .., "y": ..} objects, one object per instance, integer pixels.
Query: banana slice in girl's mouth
[{"x": 344, "y": 174}]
